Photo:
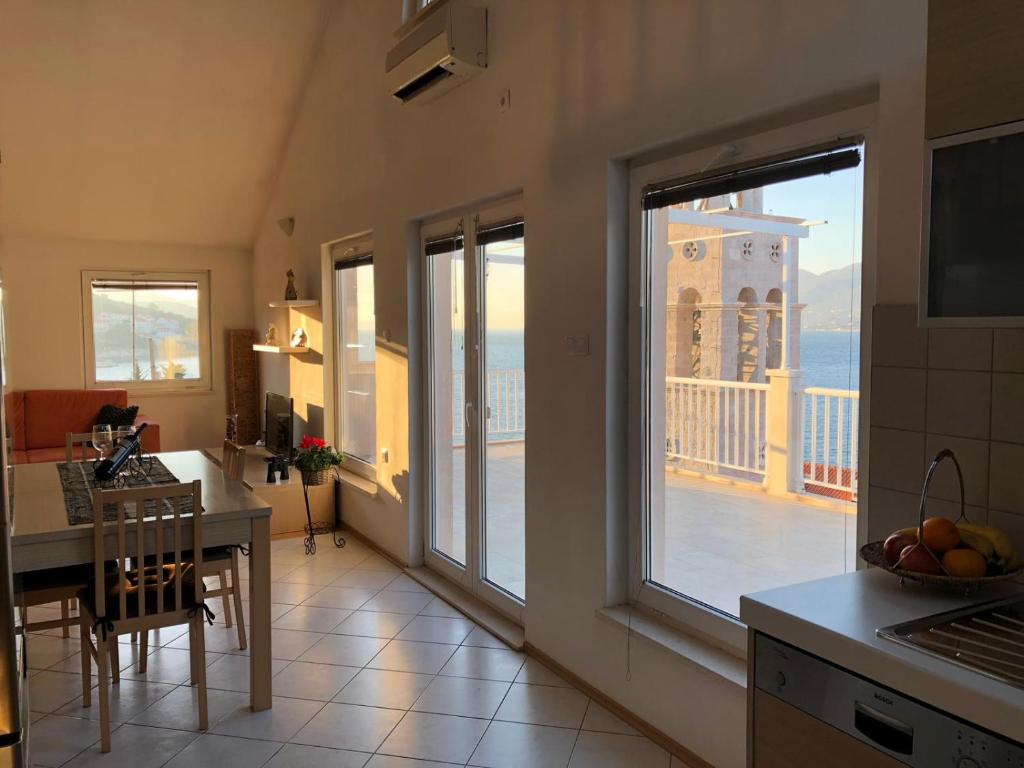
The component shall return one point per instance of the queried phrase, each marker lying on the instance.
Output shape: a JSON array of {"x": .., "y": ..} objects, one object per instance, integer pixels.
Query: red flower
[{"x": 309, "y": 442}]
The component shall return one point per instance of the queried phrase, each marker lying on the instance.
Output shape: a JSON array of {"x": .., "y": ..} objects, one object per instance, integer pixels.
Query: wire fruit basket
[{"x": 873, "y": 552}]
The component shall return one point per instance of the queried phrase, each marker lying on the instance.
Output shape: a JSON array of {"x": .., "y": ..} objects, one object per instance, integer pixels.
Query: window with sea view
[
  {"x": 751, "y": 360},
  {"x": 146, "y": 330}
]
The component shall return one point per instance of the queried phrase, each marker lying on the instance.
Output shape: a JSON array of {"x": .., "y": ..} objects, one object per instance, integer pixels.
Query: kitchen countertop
[{"x": 836, "y": 618}]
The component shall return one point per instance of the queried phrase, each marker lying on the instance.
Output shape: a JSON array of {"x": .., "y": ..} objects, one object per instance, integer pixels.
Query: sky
[{"x": 836, "y": 198}]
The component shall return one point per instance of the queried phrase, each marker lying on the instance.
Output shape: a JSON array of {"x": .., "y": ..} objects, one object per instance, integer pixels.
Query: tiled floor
[{"x": 370, "y": 671}]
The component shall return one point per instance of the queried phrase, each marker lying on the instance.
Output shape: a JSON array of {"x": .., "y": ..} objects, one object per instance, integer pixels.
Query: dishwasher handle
[{"x": 883, "y": 729}]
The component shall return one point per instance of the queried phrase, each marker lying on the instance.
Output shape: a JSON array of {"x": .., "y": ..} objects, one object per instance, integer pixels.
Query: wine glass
[
  {"x": 124, "y": 432},
  {"x": 102, "y": 439}
]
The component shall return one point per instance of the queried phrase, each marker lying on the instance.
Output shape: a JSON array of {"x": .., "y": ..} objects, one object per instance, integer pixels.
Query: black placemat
[{"x": 77, "y": 481}]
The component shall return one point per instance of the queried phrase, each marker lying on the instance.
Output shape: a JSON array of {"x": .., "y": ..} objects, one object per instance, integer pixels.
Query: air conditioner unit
[{"x": 448, "y": 47}]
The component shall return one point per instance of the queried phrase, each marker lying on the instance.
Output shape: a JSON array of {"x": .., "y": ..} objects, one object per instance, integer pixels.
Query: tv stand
[{"x": 283, "y": 495}]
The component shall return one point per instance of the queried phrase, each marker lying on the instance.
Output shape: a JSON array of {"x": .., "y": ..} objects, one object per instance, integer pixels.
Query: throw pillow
[{"x": 117, "y": 417}]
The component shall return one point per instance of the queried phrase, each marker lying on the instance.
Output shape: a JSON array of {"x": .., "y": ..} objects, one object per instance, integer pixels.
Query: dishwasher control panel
[{"x": 904, "y": 729}]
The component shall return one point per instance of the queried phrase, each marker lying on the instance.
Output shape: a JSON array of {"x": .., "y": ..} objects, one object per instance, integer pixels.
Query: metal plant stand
[{"x": 314, "y": 529}]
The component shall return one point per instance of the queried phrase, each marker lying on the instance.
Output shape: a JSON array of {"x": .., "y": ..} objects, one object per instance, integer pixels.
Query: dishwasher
[{"x": 809, "y": 712}]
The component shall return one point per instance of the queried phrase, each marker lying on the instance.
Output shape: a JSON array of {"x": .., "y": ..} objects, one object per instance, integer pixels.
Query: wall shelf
[
  {"x": 295, "y": 303},
  {"x": 279, "y": 350}
]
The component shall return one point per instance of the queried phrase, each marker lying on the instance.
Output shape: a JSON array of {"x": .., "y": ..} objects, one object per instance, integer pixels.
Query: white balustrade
[{"x": 831, "y": 418}]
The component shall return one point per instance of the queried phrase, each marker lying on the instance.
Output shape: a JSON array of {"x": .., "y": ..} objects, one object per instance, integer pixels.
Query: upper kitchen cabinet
[{"x": 975, "y": 65}]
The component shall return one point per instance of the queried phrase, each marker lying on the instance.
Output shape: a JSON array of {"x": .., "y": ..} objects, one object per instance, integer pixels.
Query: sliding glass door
[{"x": 476, "y": 389}]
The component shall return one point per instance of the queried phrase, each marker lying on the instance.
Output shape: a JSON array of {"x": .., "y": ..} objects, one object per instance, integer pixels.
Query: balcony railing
[
  {"x": 506, "y": 405},
  {"x": 716, "y": 424},
  {"x": 830, "y": 439}
]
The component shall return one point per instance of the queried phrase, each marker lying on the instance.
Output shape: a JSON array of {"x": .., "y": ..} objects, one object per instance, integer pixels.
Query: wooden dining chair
[
  {"x": 120, "y": 600},
  {"x": 77, "y": 442},
  {"x": 219, "y": 561}
]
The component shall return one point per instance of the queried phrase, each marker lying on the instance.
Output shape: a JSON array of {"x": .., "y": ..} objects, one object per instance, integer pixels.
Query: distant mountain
[{"x": 829, "y": 300}]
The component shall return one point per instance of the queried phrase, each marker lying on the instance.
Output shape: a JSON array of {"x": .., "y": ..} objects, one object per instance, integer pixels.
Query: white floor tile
[
  {"x": 510, "y": 745},
  {"x": 135, "y": 746},
  {"x": 390, "y": 761},
  {"x": 348, "y": 598},
  {"x": 384, "y": 688},
  {"x": 231, "y": 673},
  {"x": 435, "y": 737},
  {"x": 302, "y": 756},
  {"x": 179, "y": 709},
  {"x": 482, "y": 638},
  {"x": 463, "y": 696},
  {"x": 402, "y": 583},
  {"x": 312, "y": 619},
  {"x": 397, "y": 602},
  {"x": 307, "y": 574},
  {"x": 213, "y": 751},
  {"x": 485, "y": 663},
  {"x": 600, "y": 719},
  {"x": 348, "y": 726},
  {"x": 127, "y": 699},
  {"x": 44, "y": 651},
  {"x": 293, "y": 594},
  {"x": 543, "y": 705},
  {"x": 290, "y": 644},
  {"x": 319, "y": 682},
  {"x": 409, "y": 656},
  {"x": 437, "y": 629},
  {"x": 612, "y": 750},
  {"x": 378, "y": 563},
  {"x": 345, "y": 650},
  {"x": 165, "y": 665},
  {"x": 55, "y": 740},
  {"x": 374, "y": 624},
  {"x": 366, "y": 579},
  {"x": 279, "y": 723},
  {"x": 48, "y": 691},
  {"x": 535, "y": 673},
  {"x": 438, "y": 607}
]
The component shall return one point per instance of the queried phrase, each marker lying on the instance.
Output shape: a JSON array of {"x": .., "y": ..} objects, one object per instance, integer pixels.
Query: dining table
[{"x": 42, "y": 537}]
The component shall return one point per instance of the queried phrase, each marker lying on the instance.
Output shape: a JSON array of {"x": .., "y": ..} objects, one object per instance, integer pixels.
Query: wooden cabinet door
[{"x": 785, "y": 737}]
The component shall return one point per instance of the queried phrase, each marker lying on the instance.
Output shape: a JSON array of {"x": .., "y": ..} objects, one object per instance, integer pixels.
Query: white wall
[
  {"x": 592, "y": 82},
  {"x": 43, "y": 294}
]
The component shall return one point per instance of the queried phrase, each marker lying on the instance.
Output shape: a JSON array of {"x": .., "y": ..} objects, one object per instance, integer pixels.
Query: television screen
[{"x": 278, "y": 425}]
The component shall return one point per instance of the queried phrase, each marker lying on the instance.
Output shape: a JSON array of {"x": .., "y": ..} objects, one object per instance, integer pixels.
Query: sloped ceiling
[{"x": 148, "y": 120}]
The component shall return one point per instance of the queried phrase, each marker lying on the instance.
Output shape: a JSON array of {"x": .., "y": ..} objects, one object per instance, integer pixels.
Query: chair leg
[
  {"x": 200, "y": 672},
  {"x": 225, "y": 599},
  {"x": 65, "y": 616},
  {"x": 115, "y": 660},
  {"x": 193, "y": 671},
  {"x": 86, "y": 654},
  {"x": 143, "y": 650},
  {"x": 133, "y": 638},
  {"x": 102, "y": 661},
  {"x": 236, "y": 593}
]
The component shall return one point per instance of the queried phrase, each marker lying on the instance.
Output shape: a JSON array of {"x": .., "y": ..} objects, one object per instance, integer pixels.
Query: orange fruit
[
  {"x": 965, "y": 562},
  {"x": 940, "y": 535}
]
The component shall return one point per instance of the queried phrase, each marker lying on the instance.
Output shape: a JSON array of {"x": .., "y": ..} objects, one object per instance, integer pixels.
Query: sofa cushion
[
  {"x": 41, "y": 455},
  {"x": 51, "y": 413},
  {"x": 14, "y": 414},
  {"x": 17, "y": 457}
]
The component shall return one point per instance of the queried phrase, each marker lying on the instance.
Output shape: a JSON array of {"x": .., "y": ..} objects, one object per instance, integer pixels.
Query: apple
[
  {"x": 918, "y": 559},
  {"x": 894, "y": 546}
]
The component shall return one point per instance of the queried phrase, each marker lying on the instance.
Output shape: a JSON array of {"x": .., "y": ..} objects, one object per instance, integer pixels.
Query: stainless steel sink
[{"x": 988, "y": 638}]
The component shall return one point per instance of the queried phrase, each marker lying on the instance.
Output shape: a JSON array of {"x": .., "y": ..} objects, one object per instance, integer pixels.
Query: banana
[
  {"x": 980, "y": 544},
  {"x": 906, "y": 532},
  {"x": 1000, "y": 541}
]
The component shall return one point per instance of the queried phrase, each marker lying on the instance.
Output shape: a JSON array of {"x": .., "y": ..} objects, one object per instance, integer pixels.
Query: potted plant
[{"x": 315, "y": 459}]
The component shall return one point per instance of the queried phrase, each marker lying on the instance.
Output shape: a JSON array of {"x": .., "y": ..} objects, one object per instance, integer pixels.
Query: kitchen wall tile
[
  {"x": 1008, "y": 350},
  {"x": 1012, "y": 525},
  {"x": 1006, "y": 491},
  {"x": 897, "y": 459},
  {"x": 951, "y": 510},
  {"x": 973, "y": 458},
  {"x": 965, "y": 349},
  {"x": 890, "y": 510},
  {"x": 896, "y": 339},
  {"x": 959, "y": 403},
  {"x": 1008, "y": 407},
  {"x": 898, "y": 398}
]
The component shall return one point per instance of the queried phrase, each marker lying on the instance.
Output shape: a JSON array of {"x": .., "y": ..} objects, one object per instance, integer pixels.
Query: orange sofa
[{"x": 38, "y": 421}]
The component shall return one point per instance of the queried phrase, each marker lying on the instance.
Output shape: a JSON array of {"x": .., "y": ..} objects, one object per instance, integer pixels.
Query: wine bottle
[{"x": 108, "y": 468}]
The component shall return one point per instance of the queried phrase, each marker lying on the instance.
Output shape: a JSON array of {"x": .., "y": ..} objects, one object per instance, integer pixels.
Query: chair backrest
[
  {"x": 80, "y": 440},
  {"x": 233, "y": 461},
  {"x": 157, "y": 508}
]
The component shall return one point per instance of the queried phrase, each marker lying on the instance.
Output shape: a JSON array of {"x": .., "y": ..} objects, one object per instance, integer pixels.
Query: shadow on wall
[{"x": 400, "y": 483}]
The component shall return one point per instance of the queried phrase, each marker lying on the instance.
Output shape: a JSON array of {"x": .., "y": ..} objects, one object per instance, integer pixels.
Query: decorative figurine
[
  {"x": 299, "y": 337},
  {"x": 271, "y": 337},
  {"x": 290, "y": 294}
]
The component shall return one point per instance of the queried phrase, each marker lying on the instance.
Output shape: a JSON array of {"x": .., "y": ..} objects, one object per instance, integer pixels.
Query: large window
[
  {"x": 356, "y": 357},
  {"x": 747, "y": 333},
  {"x": 147, "y": 330}
]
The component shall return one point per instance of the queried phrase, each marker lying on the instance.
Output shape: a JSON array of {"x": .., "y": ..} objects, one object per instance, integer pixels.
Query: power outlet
[{"x": 578, "y": 344}]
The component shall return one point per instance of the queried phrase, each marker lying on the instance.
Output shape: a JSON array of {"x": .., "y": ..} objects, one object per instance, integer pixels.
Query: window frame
[
  {"x": 720, "y": 629},
  {"x": 354, "y": 248},
  {"x": 164, "y": 386}
]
